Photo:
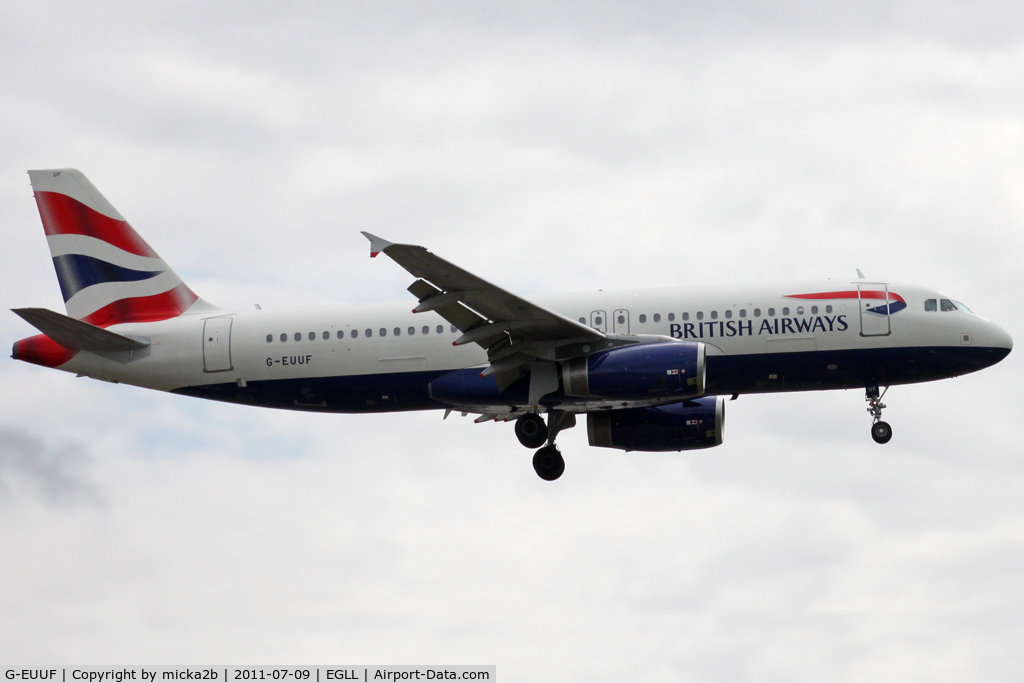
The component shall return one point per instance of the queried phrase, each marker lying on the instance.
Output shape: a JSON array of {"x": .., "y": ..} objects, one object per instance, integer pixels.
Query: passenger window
[
  {"x": 671, "y": 317},
  {"x": 454, "y": 329},
  {"x": 440, "y": 329},
  {"x": 398, "y": 331},
  {"x": 643, "y": 317},
  {"x": 828, "y": 309},
  {"x": 411, "y": 331},
  {"x": 785, "y": 310},
  {"x": 686, "y": 316},
  {"x": 368, "y": 333},
  {"x": 298, "y": 336},
  {"x": 327, "y": 335},
  {"x": 814, "y": 310},
  {"x": 341, "y": 334},
  {"x": 757, "y": 312},
  {"x": 382, "y": 332},
  {"x": 728, "y": 313},
  {"x": 426, "y": 329},
  {"x": 270, "y": 338},
  {"x": 700, "y": 315},
  {"x": 947, "y": 305},
  {"x": 312, "y": 336},
  {"x": 931, "y": 305},
  {"x": 714, "y": 315},
  {"x": 799, "y": 310},
  {"x": 355, "y": 334},
  {"x": 598, "y": 321},
  {"x": 284, "y": 337},
  {"x": 657, "y": 317},
  {"x": 583, "y": 321},
  {"x": 743, "y": 313},
  {"x": 771, "y": 312}
]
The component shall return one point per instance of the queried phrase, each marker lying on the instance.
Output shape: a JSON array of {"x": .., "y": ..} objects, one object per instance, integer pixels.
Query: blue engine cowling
[
  {"x": 685, "y": 426},
  {"x": 638, "y": 372}
]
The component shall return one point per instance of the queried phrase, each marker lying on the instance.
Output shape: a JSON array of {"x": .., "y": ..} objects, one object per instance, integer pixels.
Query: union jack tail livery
[{"x": 108, "y": 274}]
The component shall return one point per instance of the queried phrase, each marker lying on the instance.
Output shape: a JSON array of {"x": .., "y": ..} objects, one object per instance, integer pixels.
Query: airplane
[{"x": 650, "y": 369}]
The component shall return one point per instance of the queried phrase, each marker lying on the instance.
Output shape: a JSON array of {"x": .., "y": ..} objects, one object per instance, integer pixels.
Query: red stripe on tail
[
  {"x": 144, "y": 309},
  {"x": 63, "y": 215}
]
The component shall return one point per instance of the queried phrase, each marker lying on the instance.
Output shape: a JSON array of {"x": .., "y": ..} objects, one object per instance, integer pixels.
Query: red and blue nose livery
[{"x": 891, "y": 302}]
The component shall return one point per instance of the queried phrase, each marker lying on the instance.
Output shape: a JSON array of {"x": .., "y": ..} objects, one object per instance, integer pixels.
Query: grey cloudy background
[{"x": 547, "y": 148}]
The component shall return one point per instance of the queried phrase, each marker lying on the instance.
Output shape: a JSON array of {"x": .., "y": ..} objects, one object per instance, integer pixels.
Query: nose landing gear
[
  {"x": 881, "y": 432},
  {"x": 548, "y": 462}
]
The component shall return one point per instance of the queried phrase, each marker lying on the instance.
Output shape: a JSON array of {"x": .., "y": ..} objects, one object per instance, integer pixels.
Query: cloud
[{"x": 56, "y": 473}]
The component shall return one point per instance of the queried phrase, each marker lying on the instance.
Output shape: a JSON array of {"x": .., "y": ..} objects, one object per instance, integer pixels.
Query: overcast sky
[{"x": 575, "y": 147}]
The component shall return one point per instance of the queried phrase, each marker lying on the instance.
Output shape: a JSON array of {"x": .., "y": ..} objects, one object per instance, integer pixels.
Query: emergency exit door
[
  {"x": 620, "y": 319},
  {"x": 216, "y": 344}
]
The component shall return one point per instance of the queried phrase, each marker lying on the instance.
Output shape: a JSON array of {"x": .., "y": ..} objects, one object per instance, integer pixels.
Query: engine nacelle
[
  {"x": 638, "y": 372},
  {"x": 675, "y": 427}
]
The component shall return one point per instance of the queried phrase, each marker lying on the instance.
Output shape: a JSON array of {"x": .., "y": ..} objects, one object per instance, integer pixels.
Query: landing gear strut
[
  {"x": 548, "y": 462},
  {"x": 881, "y": 432}
]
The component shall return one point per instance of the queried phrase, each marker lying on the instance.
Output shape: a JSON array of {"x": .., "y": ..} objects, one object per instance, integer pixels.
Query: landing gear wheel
[
  {"x": 531, "y": 430},
  {"x": 881, "y": 432},
  {"x": 548, "y": 463}
]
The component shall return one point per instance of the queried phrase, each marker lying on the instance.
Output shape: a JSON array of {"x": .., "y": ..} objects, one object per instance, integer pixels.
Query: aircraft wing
[{"x": 513, "y": 330}]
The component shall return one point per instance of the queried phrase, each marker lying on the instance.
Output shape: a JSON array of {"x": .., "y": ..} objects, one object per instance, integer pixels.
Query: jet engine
[
  {"x": 638, "y": 372},
  {"x": 684, "y": 426}
]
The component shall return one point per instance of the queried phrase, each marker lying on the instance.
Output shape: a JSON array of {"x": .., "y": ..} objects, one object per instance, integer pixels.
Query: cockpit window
[
  {"x": 947, "y": 305},
  {"x": 931, "y": 305},
  {"x": 962, "y": 307}
]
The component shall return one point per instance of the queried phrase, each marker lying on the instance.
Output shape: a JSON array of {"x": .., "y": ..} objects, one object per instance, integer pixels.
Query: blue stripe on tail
[{"x": 75, "y": 272}]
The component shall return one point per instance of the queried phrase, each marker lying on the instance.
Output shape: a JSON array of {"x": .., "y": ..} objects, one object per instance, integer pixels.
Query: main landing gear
[
  {"x": 548, "y": 463},
  {"x": 532, "y": 432},
  {"x": 881, "y": 432}
]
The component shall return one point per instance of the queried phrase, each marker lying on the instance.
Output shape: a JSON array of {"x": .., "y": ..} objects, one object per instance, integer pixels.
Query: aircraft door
[
  {"x": 599, "y": 321},
  {"x": 873, "y": 298},
  {"x": 216, "y": 344},
  {"x": 620, "y": 319}
]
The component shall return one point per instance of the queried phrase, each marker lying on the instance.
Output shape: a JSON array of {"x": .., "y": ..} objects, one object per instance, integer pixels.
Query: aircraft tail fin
[{"x": 107, "y": 273}]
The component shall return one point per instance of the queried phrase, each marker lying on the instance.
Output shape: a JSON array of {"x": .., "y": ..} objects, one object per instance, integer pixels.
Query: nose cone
[{"x": 999, "y": 338}]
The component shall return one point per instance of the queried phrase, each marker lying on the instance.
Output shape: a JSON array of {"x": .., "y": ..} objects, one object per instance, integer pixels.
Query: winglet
[{"x": 377, "y": 244}]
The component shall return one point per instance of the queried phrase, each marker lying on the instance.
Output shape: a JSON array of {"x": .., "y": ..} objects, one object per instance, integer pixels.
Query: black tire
[
  {"x": 531, "y": 430},
  {"x": 548, "y": 463},
  {"x": 881, "y": 432}
]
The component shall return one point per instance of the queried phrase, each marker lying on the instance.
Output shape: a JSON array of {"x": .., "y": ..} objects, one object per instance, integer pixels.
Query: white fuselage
[{"x": 245, "y": 348}]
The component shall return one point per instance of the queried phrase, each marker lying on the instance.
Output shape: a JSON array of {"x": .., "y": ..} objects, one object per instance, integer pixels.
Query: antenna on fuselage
[{"x": 859, "y": 274}]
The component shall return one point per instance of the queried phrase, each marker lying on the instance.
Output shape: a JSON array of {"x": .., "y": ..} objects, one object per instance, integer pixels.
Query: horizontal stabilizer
[{"x": 75, "y": 334}]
